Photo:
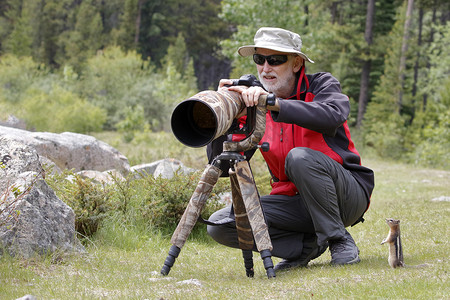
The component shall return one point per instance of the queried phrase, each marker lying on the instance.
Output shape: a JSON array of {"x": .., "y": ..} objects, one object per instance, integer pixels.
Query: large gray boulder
[
  {"x": 165, "y": 168},
  {"x": 69, "y": 150},
  {"x": 33, "y": 220}
]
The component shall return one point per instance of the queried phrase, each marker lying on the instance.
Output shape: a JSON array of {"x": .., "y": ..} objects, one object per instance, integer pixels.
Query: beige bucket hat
[{"x": 277, "y": 39}]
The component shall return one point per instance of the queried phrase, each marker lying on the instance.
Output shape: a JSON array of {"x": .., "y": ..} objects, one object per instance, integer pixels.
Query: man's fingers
[
  {"x": 250, "y": 95},
  {"x": 224, "y": 82},
  {"x": 239, "y": 88},
  {"x": 256, "y": 95}
]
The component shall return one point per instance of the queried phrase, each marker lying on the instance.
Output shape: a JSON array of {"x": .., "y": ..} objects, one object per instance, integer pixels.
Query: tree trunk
[
  {"x": 366, "y": 67},
  {"x": 419, "y": 44},
  {"x": 430, "y": 40},
  {"x": 138, "y": 22},
  {"x": 306, "y": 11},
  {"x": 403, "y": 54},
  {"x": 334, "y": 12},
  {"x": 416, "y": 65}
]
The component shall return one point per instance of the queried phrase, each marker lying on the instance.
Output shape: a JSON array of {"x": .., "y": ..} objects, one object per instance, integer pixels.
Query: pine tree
[
  {"x": 367, "y": 63},
  {"x": 178, "y": 70},
  {"x": 20, "y": 40},
  {"x": 384, "y": 125},
  {"x": 53, "y": 18},
  {"x": 87, "y": 36},
  {"x": 429, "y": 133},
  {"x": 125, "y": 35},
  {"x": 404, "y": 50},
  {"x": 201, "y": 27}
]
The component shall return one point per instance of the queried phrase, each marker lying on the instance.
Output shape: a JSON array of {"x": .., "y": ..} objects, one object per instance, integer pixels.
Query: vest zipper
[{"x": 294, "y": 132}]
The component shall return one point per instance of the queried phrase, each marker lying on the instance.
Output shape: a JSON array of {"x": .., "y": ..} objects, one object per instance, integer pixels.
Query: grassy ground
[{"x": 125, "y": 264}]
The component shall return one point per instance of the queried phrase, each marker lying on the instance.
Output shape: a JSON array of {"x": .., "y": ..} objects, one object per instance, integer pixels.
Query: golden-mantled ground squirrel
[{"x": 395, "y": 244}]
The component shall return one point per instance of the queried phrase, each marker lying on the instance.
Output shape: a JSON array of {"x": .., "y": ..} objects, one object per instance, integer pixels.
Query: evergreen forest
[{"x": 122, "y": 65}]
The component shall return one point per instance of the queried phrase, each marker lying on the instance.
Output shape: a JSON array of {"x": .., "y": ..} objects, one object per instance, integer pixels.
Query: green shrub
[
  {"x": 160, "y": 202},
  {"x": 109, "y": 80},
  {"x": 133, "y": 123},
  {"x": 387, "y": 137},
  {"x": 91, "y": 202},
  {"x": 146, "y": 202},
  {"x": 17, "y": 74},
  {"x": 430, "y": 143},
  {"x": 61, "y": 110}
]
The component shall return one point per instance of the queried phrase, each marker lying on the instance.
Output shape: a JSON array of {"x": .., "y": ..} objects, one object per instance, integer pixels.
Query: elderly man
[{"x": 319, "y": 186}]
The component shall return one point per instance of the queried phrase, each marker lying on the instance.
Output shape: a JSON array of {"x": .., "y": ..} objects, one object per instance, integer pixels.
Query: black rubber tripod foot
[
  {"x": 268, "y": 264},
  {"x": 248, "y": 262},
  {"x": 170, "y": 260}
]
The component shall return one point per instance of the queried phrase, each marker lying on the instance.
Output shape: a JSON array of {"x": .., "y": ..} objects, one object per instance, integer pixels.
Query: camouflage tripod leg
[
  {"x": 250, "y": 197},
  {"x": 244, "y": 230},
  {"x": 190, "y": 216}
]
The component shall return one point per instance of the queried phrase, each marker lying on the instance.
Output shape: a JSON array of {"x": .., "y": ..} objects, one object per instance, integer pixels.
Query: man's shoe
[
  {"x": 310, "y": 251},
  {"x": 287, "y": 264},
  {"x": 344, "y": 251}
]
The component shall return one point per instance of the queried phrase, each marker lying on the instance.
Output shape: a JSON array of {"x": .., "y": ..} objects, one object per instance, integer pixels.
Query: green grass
[{"x": 124, "y": 263}]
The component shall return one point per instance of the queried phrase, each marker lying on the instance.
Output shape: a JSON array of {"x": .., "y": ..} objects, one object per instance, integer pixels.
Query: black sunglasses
[{"x": 272, "y": 60}]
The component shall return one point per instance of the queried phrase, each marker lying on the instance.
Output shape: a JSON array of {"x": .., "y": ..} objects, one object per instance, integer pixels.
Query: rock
[
  {"x": 145, "y": 169},
  {"x": 165, "y": 168},
  {"x": 441, "y": 199},
  {"x": 33, "y": 219},
  {"x": 16, "y": 158},
  {"x": 27, "y": 297},
  {"x": 49, "y": 165},
  {"x": 14, "y": 122},
  {"x": 71, "y": 150},
  {"x": 101, "y": 177},
  {"x": 192, "y": 281}
]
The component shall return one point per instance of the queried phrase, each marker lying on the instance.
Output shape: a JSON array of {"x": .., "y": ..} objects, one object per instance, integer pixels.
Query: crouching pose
[{"x": 319, "y": 186}]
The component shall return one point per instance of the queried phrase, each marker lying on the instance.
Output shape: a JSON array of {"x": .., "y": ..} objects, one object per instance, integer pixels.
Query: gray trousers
[{"x": 329, "y": 200}]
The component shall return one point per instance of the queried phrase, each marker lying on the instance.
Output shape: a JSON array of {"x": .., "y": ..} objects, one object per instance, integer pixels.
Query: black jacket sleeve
[{"x": 325, "y": 114}]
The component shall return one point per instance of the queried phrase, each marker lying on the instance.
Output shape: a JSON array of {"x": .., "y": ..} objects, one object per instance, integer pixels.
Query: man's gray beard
[{"x": 278, "y": 87}]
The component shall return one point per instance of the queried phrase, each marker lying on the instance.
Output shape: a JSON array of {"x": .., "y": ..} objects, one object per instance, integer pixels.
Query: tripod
[
  {"x": 250, "y": 223},
  {"x": 196, "y": 122}
]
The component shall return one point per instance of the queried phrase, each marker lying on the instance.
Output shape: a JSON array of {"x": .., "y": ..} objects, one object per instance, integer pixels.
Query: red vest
[{"x": 282, "y": 137}]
